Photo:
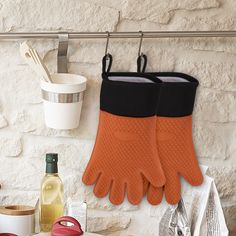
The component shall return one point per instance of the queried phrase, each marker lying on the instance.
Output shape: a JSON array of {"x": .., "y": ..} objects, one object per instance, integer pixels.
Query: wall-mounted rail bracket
[{"x": 62, "y": 52}]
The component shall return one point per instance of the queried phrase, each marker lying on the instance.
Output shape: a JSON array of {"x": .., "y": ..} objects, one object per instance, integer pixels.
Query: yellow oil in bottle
[
  {"x": 51, "y": 202},
  {"x": 49, "y": 214}
]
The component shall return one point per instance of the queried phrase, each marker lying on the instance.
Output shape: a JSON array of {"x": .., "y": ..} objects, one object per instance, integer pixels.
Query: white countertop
[{"x": 85, "y": 234}]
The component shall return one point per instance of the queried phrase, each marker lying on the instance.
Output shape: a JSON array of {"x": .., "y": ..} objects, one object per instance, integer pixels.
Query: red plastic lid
[
  {"x": 60, "y": 229},
  {"x": 7, "y": 234}
]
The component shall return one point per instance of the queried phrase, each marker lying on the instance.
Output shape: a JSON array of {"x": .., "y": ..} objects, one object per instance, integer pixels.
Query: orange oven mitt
[
  {"x": 125, "y": 148},
  {"x": 174, "y": 136}
]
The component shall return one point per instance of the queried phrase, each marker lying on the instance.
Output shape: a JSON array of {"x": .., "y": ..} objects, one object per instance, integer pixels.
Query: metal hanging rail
[{"x": 101, "y": 35}]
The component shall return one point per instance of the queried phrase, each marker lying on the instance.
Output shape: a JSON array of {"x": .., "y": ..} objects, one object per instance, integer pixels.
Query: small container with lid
[{"x": 17, "y": 219}]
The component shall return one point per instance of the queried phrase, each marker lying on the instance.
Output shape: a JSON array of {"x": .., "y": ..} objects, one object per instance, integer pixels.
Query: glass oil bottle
[{"x": 51, "y": 201}]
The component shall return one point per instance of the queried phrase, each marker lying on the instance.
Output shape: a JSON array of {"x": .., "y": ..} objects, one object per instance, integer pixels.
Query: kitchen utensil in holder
[
  {"x": 63, "y": 97},
  {"x": 63, "y": 100},
  {"x": 17, "y": 219}
]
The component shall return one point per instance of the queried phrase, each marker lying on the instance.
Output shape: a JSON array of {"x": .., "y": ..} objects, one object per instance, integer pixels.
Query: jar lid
[
  {"x": 17, "y": 210},
  {"x": 7, "y": 234},
  {"x": 60, "y": 227},
  {"x": 51, "y": 157}
]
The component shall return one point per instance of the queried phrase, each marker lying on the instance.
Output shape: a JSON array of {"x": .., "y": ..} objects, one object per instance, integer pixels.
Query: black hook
[
  {"x": 107, "y": 57},
  {"x": 106, "y": 67},
  {"x": 142, "y": 58}
]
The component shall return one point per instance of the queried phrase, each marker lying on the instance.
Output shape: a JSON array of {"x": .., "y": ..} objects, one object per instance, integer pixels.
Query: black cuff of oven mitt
[
  {"x": 176, "y": 98},
  {"x": 130, "y": 99}
]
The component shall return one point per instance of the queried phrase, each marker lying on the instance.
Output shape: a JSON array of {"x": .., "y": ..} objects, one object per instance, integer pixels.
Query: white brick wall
[{"x": 24, "y": 139}]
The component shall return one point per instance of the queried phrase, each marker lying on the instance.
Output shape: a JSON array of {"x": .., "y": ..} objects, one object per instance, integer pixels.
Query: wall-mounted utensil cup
[
  {"x": 63, "y": 100},
  {"x": 17, "y": 219}
]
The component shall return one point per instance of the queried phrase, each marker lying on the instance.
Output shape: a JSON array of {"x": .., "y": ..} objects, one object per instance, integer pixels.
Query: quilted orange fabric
[
  {"x": 125, "y": 152},
  {"x": 177, "y": 155}
]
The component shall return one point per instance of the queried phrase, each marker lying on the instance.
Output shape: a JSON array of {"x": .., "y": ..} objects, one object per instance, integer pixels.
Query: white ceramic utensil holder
[
  {"x": 63, "y": 100},
  {"x": 19, "y": 220}
]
